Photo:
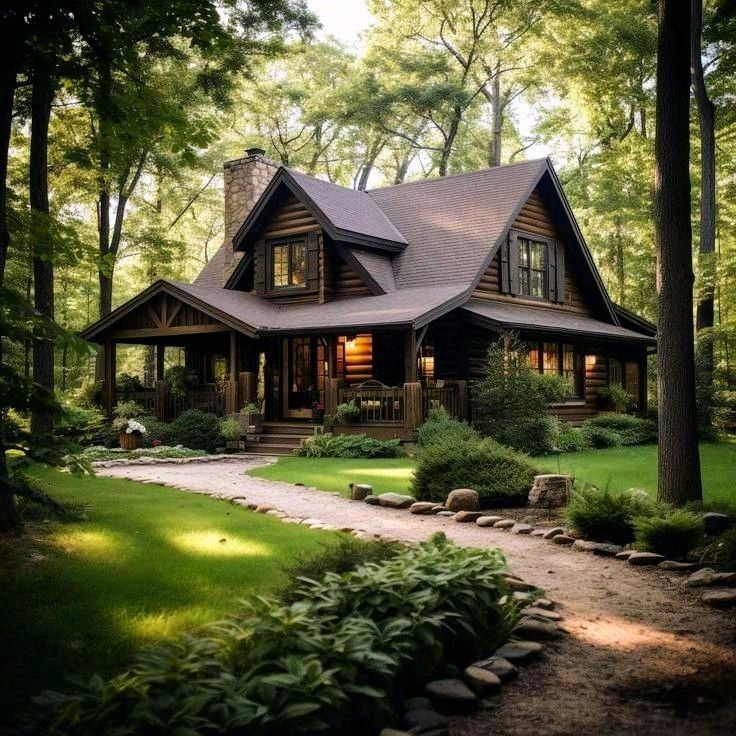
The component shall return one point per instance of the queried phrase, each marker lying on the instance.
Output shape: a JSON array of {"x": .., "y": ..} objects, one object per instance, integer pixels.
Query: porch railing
[
  {"x": 166, "y": 407},
  {"x": 446, "y": 398},
  {"x": 377, "y": 405}
]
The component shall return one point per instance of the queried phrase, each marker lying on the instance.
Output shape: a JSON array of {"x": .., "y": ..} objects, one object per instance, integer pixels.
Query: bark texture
[{"x": 679, "y": 459}]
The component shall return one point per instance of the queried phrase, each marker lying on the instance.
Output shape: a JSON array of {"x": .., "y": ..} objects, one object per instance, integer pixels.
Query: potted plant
[
  {"x": 250, "y": 417},
  {"x": 131, "y": 431},
  {"x": 231, "y": 432},
  {"x": 347, "y": 413}
]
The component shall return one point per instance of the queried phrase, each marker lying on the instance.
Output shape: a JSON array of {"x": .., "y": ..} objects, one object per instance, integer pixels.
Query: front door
[{"x": 305, "y": 371}]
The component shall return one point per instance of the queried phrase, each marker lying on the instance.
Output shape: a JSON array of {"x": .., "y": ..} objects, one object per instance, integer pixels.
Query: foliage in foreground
[
  {"x": 100, "y": 454},
  {"x": 501, "y": 476},
  {"x": 348, "y": 445},
  {"x": 439, "y": 426},
  {"x": 723, "y": 550},
  {"x": 604, "y": 516},
  {"x": 673, "y": 534},
  {"x": 336, "y": 661}
]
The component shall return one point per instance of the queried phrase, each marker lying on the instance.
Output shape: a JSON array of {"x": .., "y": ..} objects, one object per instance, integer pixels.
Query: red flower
[{"x": 156, "y": 443}]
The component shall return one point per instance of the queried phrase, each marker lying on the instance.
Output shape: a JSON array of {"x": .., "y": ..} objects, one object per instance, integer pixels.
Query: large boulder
[
  {"x": 550, "y": 491},
  {"x": 451, "y": 695},
  {"x": 359, "y": 491},
  {"x": 714, "y": 523},
  {"x": 463, "y": 499},
  {"x": 395, "y": 500}
]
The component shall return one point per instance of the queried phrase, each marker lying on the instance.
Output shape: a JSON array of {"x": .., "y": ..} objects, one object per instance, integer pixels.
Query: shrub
[
  {"x": 89, "y": 394},
  {"x": 180, "y": 380},
  {"x": 97, "y": 454},
  {"x": 723, "y": 550},
  {"x": 127, "y": 410},
  {"x": 230, "y": 429},
  {"x": 348, "y": 445},
  {"x": 570, "y": 439},
  {"x": 126, "y": 383},
  {"x": 500, "y": 475},
  {"x": 440, "y": 426},
  {"x": 196, "y": 429},
  {"x": 535, "y": 436},
  {"x": 347, "y": 413},
  {"x": 607, "y": 517},
  {"x": 615, "y": 396},
  {"x": 630, "y": 429},
  {"x": 673, "y": 535},
  {"x": 335, "y": 662},
  {"x": 600, "y": 437},
  {"x": 81, "y": 424},
  {"x": 512, "y": 395},
  {"x": 156, "y": 431}
]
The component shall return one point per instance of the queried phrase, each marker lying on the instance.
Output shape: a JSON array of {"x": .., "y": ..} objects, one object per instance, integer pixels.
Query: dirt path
[{"x": 643, "y": 655}]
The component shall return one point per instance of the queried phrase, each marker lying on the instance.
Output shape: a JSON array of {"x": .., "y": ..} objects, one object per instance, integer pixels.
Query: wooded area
[{"x": 116, "y": 117}]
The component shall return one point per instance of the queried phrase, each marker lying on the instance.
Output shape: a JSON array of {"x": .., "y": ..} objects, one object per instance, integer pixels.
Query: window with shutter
[
  {"x": 288, "y": 263},
  {"x": 533, "y": 267}
]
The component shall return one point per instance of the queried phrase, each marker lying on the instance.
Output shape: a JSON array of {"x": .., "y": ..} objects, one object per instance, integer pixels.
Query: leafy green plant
[
  {"x": 99, "y": 454},
  {"x": 335, "y": 661},
  {"x": 127, "y": 382},
  {"x": 604, "y": 516},
  {"x": 197, "y": 429},
  {"x": 349, "y": 445},
  {"x": 673, "y": 534},
  {"x": 127, "y": 410},
  {"x": 533, "y": 436},
  {"x": 181, "y": 380},
  {"x": 230, "y": 429},
  {"x": 79, "y": 423},
  {"x": 252, "y": 407},
  {"x": 631, "y": 430},
  {"x": 600, "y": 437},
  {"x": 440, "y": 426},
  {"x": 501, "y": 476},
  {"x": 614, "y": 397},
  {"x": 157, "y": 432},
  {"x": 723, "y": 550},
  {"x": 570, "y": 439},
  {"x": 347, "y": 413}
]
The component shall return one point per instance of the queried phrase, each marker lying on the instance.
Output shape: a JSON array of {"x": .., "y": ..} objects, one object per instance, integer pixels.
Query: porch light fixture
[{"x": 590, "y": 361}]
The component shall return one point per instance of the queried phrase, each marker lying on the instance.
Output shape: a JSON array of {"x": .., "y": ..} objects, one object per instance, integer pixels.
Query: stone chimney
[{"x": 245, "y": 180}]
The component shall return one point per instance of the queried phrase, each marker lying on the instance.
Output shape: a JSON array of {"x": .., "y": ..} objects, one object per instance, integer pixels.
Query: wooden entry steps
[{"x": 279, "y": 438}]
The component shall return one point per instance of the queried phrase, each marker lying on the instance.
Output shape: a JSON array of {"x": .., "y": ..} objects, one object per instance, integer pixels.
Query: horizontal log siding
[
  {"x": 341, "y": 281},
  {"x": 359, "y": 360},
  {"x": 534, "y": 218}
]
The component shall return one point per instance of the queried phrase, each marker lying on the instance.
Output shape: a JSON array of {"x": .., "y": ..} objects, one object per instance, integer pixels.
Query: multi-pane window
[
  {"x": 560, "y": 359},
  {"x": 532, "y": 268},
  {"x": 289, "y": 264},
  {"x": 632, "y": 382}
]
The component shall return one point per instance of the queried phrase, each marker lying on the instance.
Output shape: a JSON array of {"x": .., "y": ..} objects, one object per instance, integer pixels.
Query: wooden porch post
[
  {"x": 643, "y": 384},
  {"x": 248, "y": 385},
  {"x": 410, "y": 356},
  {"x": 413, "y": 411},
  {"x": 231, "y": 392},
  {"x": 160, "y": 351},
  {"x": 108, "y": 385},
  {"x": 160, "y": 401},
  {"x": 462, "y": 399}
]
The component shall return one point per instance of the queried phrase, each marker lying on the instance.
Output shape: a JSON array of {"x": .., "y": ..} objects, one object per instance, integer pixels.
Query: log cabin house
[{"x": 387, "y": 298}]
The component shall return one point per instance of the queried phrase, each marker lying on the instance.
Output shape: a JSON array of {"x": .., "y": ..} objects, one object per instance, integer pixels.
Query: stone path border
[{"x": 643, "y": 654}]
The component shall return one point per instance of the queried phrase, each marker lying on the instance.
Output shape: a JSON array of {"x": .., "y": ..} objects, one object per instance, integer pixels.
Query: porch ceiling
[{"x": 517, "y": 316}]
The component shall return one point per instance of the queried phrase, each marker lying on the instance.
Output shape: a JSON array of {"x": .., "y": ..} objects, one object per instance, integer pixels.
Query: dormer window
[
  {"x": 288, "y": 263},
  {"x": 532, "y": 268}
]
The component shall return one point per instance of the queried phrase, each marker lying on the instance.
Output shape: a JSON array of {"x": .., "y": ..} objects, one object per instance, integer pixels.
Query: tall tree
[{"x": 679, "y": 458}]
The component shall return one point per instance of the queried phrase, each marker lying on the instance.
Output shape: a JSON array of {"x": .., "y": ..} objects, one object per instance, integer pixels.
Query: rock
[
  {"x": 446, "y": 514},
  {"x": 522, "y": 529},
  {"x": 707, "y": 577},
  {"x": 425, "y": 721},
  {"x": 395, "y": 500},
  {"x": 519, "y": 652},
  {"x": 607, "y": 550},
  {"x": 437, "y": 508},
  {"x": 312, "y": 522},
  {"x": 520, "y": 597},
  {"x": 263, "y": 508},
  {"x": 563, "y": 539},
  {"x": 481, "y": 681},
  {"x": 372, "y": 500},
  {"x": 536, "y": 630},
  {"x": 418, "y": 703},
  {"x": 488, "y": 520},
  {"x": 641, "y": 559},
  {"x": 554, "y": 532},
  {"x": 394, "y": 732},
  {"x": 276, "y": 512},
  {"x": 423, "y": 508},
  {"x": 520, "y": 585},
  {"x": 674, "y": 566},
  {"x": 624, "y": 554},
  {"x": 504, "y": 524},
  {"x": 538, "y": 532},
  {"x": 550, "y": 491},
  {"x": 359, "y": 491},
  {"x": 541, "y": 613},
  {"x": 465, "y": 517},
  {"x": 714, "y": 523},
  {"x": 451, "y": 695},
  {"x": 725, "y": 598},
  {"x": 463, "y": 499},
  {"x": 502, "y": 668},
  {"x": 544, "y": 603}
]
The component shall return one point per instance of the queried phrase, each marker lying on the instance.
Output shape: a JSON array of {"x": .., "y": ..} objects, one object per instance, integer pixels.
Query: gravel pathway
[{"x": 643, "y": 655}]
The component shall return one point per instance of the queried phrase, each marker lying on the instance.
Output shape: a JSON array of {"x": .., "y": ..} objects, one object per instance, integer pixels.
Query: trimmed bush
[
  {"x": 604, "y": 516},
  {"x": 196, "y": 429},
  {"x": 630, "y": 429},
  {"x": 348, "y": 445},
  {"x": 571, "y": 439},
  {"x": 534, "y": 437},
  {"x": 347, "y": 413},
  {"x": 338, "y": 661},
  {"x": 673, "y": 535},
  {"x": 600, "y": 437},
  {"x": 501, "y": 476},
  {"x": 156, "y": 431},
  {"x": 440, "y": 426},
  {"x": 723, "y": 550}
]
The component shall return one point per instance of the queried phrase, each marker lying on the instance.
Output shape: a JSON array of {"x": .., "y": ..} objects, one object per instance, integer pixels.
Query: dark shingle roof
[
  {"x": 518, "y": 316},
  {"x": 452, "y": 223},
  {"x": 212, "y": 273},
  {"x": 379, "y": 266}
]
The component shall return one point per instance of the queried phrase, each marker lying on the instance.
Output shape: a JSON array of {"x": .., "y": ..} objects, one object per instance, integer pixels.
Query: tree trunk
[
  {"x": 496, "y": 121},
  {"x": 679, "y": 459},
  {"x": 706, "y": 292},
  {"x": 620, "y": 262},
  {"x": 450, "y": 141},
  {"x": 43, "y": 270}
]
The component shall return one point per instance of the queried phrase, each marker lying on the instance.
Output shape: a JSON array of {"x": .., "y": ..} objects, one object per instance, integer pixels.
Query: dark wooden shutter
[
  {"x": 560, "y": 271},
  {"x": 514, "y": 286},
  {"x": 259, "y": 266},
  {"x": 551, "y": 256},
  {"x": 313, "y": 261},
  {"x": 505, "y": 288}
]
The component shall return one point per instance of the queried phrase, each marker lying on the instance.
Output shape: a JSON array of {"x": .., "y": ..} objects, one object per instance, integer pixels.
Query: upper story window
[
  {"x": 288, "y": 264},
  {"x": 532, "y": 268}
]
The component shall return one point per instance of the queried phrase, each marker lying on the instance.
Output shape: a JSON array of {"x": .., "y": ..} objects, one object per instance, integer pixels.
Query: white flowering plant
[{"x": 129, "y": 426}]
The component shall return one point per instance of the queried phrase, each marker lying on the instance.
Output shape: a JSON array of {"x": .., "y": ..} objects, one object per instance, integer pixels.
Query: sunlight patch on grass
[
  {"x": 152, "y": 627},
  {"x": 90, "y": 543},
  {"x": 403, "y": 473},
  {"x": 217, "y": 543}
]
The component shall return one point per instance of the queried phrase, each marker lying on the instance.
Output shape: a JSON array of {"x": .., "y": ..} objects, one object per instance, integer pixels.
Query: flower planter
[
  {"x": 128, "y": 441},
  {"x": 248, "y": 419}
]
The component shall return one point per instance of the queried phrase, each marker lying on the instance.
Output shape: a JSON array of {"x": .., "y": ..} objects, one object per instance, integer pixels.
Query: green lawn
[
  {"x": 618, "y": 467},
  {"x": 149, "y": 563}
]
